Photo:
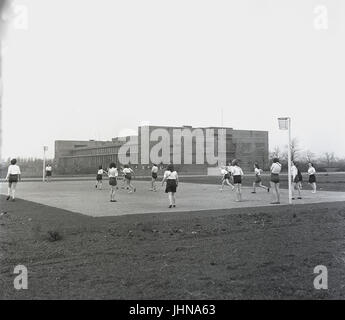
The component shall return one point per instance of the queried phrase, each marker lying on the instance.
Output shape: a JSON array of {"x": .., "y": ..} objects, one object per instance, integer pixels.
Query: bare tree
[
  {"x": 309, "y": 156},
  {"x": 329, "y": 158},
  {"x": 295, "y": 149},
  {"x": 275, "y": 153}
]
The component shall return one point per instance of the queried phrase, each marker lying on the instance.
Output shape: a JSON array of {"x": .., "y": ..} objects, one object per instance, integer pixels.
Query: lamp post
[
  {"x": 45, "y": 148},
  {"x": 285, "y": 124}
]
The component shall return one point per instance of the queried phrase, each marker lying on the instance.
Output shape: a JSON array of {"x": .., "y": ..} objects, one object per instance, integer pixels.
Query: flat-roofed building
[{"x": 190, "y": 149}]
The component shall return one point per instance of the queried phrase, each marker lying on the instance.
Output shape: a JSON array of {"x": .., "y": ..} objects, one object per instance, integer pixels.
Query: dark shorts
[
  {"x": 154, "y": 175},
  {"x": 226, "y": 176},
  {"x": 128, "y": 177},
  {"x": 48, "y": 173},
  {"x": 297, "y": 179},
  {"x": 171, "y": 185},
  {"x": 237, "y": 179},
  {"x": 13, "y": 178},
  {"x": 112, "y": 181},
  {"x": 275, "y": 178},
  {"x": 99, "y": 177},
  {"x": 312, "y": 178},
  {"x": 257, "y": 179}
]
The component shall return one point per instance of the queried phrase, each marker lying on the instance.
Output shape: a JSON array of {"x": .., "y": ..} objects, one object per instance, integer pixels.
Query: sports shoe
[{"x": 8, "y": 198}]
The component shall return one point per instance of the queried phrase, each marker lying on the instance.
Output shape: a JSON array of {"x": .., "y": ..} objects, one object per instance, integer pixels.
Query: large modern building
[{"x": 192, "y": 150}]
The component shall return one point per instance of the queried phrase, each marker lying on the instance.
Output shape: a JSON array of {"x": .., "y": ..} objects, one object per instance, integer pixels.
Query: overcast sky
[{"x": 94, "y": 69}]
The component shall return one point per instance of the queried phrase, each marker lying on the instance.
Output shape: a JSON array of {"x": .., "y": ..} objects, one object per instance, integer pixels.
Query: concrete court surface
[{"x": 83, "y": 197}]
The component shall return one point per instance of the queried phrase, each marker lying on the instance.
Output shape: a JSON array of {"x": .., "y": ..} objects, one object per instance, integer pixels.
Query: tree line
[{"x": 327, "y": 161}]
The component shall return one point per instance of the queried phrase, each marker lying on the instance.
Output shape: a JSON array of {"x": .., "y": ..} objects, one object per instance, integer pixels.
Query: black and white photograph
[{"x": 172, "y": 151}]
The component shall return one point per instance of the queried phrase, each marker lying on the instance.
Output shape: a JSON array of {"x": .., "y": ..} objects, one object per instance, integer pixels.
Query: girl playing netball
[
  {"x": 112, "y": 174},
  {"x": 99, "y": 177},
  {"x": 48, "y": 174},
  {"x": 258, "y": 181},
  {"x": 171, "y": 179},
  {"x": 237, "y": 174},
  {"x": 312, "y": 176},
  {"x": 225, "y": 178},
  {"x": 13, "y": 176},
  {"x": 296, "y": 180},
  {"x": 128, "y": 174},
  {"x": 275, "y": 171},
  {"x": 154, "y": 176}
]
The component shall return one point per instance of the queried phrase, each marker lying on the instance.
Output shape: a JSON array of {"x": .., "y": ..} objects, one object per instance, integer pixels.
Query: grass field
[
  {"x": 237, "y": 253},
  {"x": 265, "y": 253}
]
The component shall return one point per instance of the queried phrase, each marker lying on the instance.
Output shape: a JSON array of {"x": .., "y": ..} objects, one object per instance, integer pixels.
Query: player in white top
[
  {"x": 128, "y": 174},
  {"x": 154, "y": 176},
  {"x": 99, "y": 177},
  {"x": 48, "y": 175},
  {"x": 171, "y": 179},
  {"x": 237, "y": 174},
  {"x": 123, "y": 179},
  {"x": 13, "y": 176},
  {"x": 225, "y": 178},
  {"x": 258, "y": 180},
  {"x": 112, "y": 174},
  {"x": 296, "y": 180},
  {"x": 276, "y": 167},
  {"x": 312, "y": 176}
]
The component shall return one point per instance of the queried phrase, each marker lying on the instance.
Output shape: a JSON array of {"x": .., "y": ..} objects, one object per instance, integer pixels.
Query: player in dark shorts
[
  {"x": 154, "y": 176},
  {"x": 275, "y": 181},
  {"x": 226, "y": 176},
  {"x": 296, "y": 176},
  {"x": 48, "y": 174},
  {"x": 99, "y": 177},
  {"x": 171, "y": 179},
  {"x": 258, "y": 180},
  {"x": 312, "y": 176},
  {"x": 112, "y": 174},
  {"x": 237, "y": 175},
  {"x": 128, "y": 175},
  {"x": 13, "y": 176}
]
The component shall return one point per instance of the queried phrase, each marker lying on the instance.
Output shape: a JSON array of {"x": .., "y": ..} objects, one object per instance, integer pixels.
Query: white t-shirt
[
  {"x": 237, "y": 171},
  {"x": 223, "y": 172},
  {"x": 311, "y": 171},
  {"x": 257, "y": 171},
  {"x": 170, "y": 175},
  {"x": 100, "y": 171},
  {"x": 276, "y": 168},
  {"x": 154, "y": 169},
  {"x": 13, "y": 169},
  {"x": 127, "y": 170},
  {"x": 230, "y": 169},
  {"x": 113, "y": 173},
  {"x": 294, "y": 172},
  {"x": 48, "y": 168}
]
